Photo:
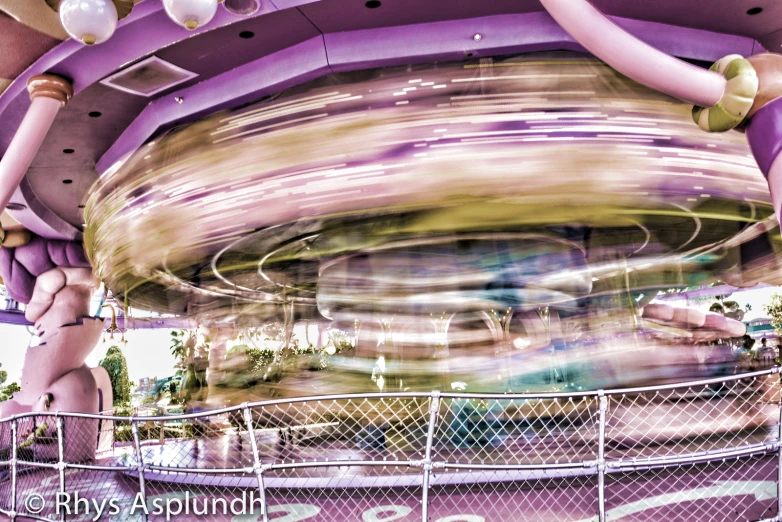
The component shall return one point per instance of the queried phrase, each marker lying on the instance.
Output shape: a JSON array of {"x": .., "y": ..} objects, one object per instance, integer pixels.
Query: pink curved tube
[
  {"x": 25, "y": 144},
  {"x": 634, "y": 58},
  {"x": 658, "y": 312}
]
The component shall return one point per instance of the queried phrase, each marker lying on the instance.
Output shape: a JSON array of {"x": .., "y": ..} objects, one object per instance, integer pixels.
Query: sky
[{"x": 148, "y": 354}]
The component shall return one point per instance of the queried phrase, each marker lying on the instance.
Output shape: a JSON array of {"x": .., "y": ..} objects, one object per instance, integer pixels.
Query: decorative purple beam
[
  {"x": 38, "y": 218},
  {"x": 13, "y": 317},
  {"x": 151, "y": 323},
  {"x": 146, "y": 323},
  {"x": 287, "y": 4},
  {"x": 400, "y": 45},
  {"x": 503, "y": 34}
]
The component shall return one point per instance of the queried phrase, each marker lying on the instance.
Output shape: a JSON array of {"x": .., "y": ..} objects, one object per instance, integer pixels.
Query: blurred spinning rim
[{"x": 516, "y": 182}]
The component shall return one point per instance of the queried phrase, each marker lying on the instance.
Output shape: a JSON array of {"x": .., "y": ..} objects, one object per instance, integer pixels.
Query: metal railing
[{"x": 599, "y": 455}]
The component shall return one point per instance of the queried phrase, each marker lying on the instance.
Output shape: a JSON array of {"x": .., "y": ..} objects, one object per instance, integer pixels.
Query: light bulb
[
  {"x": 191, "y": 14},
  {"x": 89, "y": 21}
]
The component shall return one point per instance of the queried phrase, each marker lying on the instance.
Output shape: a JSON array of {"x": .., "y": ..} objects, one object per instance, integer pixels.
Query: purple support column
[{"x": 764, "y": 134}]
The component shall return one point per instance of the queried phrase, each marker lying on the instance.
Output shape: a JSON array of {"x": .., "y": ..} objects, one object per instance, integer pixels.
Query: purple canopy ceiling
[{"x": 240, "y": 59}]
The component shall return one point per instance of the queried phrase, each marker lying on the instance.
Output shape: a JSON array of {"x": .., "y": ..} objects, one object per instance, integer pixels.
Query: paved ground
[{"x": 735, "y": 490}]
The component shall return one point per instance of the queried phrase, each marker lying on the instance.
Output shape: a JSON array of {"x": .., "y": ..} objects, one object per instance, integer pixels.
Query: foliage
[
  {"x": 6, "y": 392},
  {"x": 251, "y": 364},
  {"x": 733, "y": 310},
  {"x": 124, "y": 410},
  {"x": 257, "y": 359},
  {"x": 247, "y": 366},
  {"x": 185, "y": 345},
  {"x": 123, "y": 432},
  {"x": 117, "y": 368},
  {"x": 339, "y": 340},
  {"x": 178, "y": 348},
  {"x": 774, "y": 310},
  {"x": 271, "y": 332},
  {"x": 730, "y": 309},
  {"x": 190, "y": 354}
]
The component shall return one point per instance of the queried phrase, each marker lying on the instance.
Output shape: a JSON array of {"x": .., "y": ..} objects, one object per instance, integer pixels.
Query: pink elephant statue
[{"x": 54, "y": 279}]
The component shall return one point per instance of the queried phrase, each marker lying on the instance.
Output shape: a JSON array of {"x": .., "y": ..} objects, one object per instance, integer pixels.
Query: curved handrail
[
  {"x": 596, "y": 456},
  {"x": 406, "y": 395}
]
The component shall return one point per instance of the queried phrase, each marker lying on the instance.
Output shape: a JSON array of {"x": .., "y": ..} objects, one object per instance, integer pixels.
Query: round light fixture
[
  {"x": 89, "y": 21},
  {"x": 190, "y": 14}
]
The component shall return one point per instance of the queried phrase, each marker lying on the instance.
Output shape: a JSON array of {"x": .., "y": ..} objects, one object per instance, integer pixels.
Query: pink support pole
[
  {"x": 49, "y": 94},
  {"x": 634, "y": 58}
]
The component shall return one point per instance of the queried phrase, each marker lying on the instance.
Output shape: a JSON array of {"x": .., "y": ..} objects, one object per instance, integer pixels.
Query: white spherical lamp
[
  {"x": 191, "y": 14},
  {"x": 89, "y": 21}
]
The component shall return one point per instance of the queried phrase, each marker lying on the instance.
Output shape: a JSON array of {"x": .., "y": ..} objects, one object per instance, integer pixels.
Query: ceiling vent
[{"x": 148, "y": 77}]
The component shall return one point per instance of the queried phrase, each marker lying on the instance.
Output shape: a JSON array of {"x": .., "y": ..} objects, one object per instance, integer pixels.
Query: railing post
[
  {"x": 61, "y": 457},
  {"x": 14, "y": 455},
  {"x": 140, "y": 463},
  {"x": 601, "y": 458},
  {"x": 779, "y": 460},
  {"x": 434, "y": 408},
  {"x": 257, "y": 467}
]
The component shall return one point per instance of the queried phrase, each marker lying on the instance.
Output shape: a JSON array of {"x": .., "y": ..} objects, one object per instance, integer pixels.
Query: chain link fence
[{"x": 706, "y": 450}]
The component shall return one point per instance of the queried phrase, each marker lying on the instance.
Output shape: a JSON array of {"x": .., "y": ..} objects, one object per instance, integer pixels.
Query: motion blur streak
[{"x": 495, "y": 226}]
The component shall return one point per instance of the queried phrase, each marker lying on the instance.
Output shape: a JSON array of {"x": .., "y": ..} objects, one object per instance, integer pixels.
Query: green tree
[
  {"x": 733, "y": 310},
  {"x": 7, "y": 392},
  {"x": 117, "y": 368},
  {"x": 3, "y": 375},
  {"x": 192, "y": 359},
  {"x": 178, "y": 348},
  {"x": 774, "y": 310}
]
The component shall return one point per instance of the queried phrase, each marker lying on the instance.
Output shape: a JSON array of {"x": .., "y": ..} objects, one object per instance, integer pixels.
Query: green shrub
[{"x": 117, "y": 368}]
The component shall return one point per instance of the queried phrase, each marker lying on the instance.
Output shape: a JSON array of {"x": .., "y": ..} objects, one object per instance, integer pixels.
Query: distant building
[
  {"x": 146, "y": 384},
  {"x": 761, "y": 328}
]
